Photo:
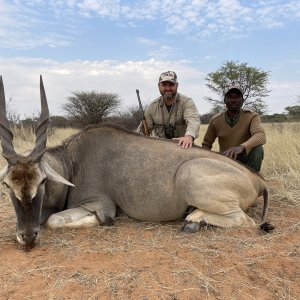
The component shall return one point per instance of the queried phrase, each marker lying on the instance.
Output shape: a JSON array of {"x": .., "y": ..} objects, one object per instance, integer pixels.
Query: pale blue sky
[{"x": 119, "y": 46}]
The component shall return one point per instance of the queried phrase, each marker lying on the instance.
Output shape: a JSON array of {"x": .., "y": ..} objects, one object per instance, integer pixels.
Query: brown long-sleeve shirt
[{"x": 247, "y": 131}]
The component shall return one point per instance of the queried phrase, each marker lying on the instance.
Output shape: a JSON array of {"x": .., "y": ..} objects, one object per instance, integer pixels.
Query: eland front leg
[
  {"x": 101, "y": 211},
  {"x": 73, "y": 217}
]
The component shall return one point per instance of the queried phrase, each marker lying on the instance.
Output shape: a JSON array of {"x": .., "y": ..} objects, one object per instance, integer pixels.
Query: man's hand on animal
[
  {"x": 185, "y": 141},
  {"x": 234, "y": 152}
]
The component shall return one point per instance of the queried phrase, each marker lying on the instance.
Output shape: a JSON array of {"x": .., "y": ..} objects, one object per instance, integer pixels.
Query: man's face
[
  {"x": 168, "y": 89},
  {"x": 234, "y": 101}
]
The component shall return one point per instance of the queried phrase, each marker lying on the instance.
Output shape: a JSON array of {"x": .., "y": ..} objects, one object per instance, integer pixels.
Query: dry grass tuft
[
  {"x": 282, "y": 163},
  {"x": 24, "y": 137}
]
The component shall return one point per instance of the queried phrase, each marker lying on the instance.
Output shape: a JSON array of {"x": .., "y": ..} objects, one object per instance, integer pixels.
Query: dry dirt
[{"x": 134, "y": 260}]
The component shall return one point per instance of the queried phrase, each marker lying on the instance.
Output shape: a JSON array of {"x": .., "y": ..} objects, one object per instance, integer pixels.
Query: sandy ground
[{"x": 134, "y": 260}]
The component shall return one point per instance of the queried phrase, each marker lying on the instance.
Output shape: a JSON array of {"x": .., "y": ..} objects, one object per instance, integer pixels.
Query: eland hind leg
[
  {"x": 219, "y": 192},
  {"x": 198, "y": 217}
]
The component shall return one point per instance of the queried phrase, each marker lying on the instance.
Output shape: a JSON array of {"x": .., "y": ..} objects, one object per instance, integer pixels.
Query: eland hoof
[{"x": 190, "y": 227}]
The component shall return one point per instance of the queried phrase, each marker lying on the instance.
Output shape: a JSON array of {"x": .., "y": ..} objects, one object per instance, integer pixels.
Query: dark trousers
[{"x": 253, "y": 159}]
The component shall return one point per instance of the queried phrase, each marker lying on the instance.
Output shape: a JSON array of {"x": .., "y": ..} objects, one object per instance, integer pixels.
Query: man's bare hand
[
  {"x": 234, "y": 152},
  {"x": 185, "y": 141}
]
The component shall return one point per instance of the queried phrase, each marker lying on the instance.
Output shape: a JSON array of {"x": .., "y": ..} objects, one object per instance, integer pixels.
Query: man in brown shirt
[{"x": 239, "y": 131}]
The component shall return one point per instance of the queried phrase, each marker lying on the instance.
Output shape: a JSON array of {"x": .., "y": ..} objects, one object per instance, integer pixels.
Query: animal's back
[{"x": 137, "y": 173}]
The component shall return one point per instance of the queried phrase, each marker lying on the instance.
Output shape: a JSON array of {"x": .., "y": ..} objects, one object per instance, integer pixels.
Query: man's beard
[{"x": 169, "y": 95}]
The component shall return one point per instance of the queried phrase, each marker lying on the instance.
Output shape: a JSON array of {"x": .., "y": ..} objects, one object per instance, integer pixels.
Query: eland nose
[{"x": 29, "y": 238}]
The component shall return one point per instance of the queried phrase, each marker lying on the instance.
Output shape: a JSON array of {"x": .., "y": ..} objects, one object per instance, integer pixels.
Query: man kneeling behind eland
[{"x": 239, "y": 131}]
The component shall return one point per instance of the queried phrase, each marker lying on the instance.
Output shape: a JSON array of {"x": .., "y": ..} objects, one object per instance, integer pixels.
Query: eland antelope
[{"x": 82, "y": 181}]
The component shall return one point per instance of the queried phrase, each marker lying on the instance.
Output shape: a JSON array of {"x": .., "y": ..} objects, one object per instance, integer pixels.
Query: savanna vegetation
[{"x": 141, "y": 260}]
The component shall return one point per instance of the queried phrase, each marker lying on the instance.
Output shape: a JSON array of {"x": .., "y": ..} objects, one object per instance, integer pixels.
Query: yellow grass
[
  {"x": 282, "y": 159},
  {"x": 24, "y": 137},
  {"x": 58, "y": 135},
  {"x": 282, "y": 149}
]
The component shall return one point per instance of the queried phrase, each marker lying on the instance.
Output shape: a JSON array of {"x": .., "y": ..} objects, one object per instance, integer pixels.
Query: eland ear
[{"x": 52, "y": 175}]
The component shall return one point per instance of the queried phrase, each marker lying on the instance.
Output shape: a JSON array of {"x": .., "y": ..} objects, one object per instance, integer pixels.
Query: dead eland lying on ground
[{"x": 82, "y": 181}]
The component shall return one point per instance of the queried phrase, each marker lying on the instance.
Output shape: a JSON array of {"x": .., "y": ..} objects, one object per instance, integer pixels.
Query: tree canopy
[
  {"x": 253, "y": 82},
  {"x": 91, "y": 107}
]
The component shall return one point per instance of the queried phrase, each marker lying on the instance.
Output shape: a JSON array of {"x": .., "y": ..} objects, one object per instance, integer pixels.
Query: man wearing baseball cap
[
  {"x": 172, "y": 115},
  {"x": 239, "y": 131}
]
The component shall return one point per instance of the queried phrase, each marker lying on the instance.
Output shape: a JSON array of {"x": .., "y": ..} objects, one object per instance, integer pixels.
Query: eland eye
[{"x": 43, "y": 181}]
